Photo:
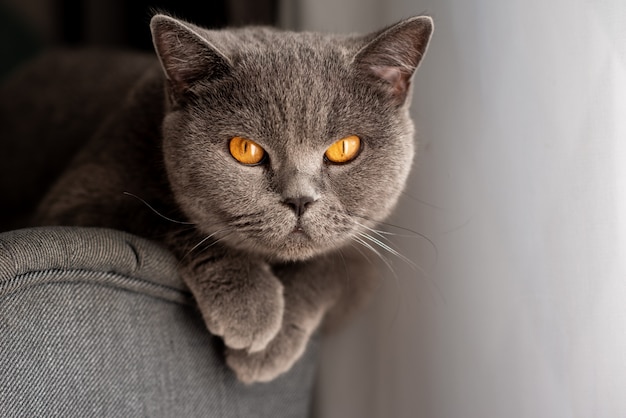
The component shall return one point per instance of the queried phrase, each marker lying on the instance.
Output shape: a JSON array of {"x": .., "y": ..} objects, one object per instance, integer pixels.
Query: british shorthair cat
[{"x": 269, "y": 155}]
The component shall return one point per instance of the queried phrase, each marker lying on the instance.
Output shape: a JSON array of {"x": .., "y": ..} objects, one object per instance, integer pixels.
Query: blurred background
[
  {"x": 29, "y": 25},
  {"x": 518, "y": 307}
]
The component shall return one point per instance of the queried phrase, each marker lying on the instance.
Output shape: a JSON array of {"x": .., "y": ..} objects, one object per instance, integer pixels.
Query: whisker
[
  {"x": 386, "y": 247},
  {"x": 393, "y": 272},
  {"x": 459, "y": 227},
  {"x": 375, "y": 251},
  {"x": 396, "y": 253},
  {"x": 235, "y": 244},
  {"x": 203, "y": 249},
  {"x": 156, "y": 211},
  {"x": 370, "y": 262},
  {"x": 392, "y": 251},
  {"x": 418, "y": 234},
  {"x": 393, "y": 234},
  {"x": 207, "y": 238},
  {"x": 423, "y": 202},
  {"x": 363, "y": 254},
  {"x": 217, "y": 241},
  {"x": 381, "y": 234},
  {"x": 345, "y": 268},
  {"x": 202, "y": 241}
]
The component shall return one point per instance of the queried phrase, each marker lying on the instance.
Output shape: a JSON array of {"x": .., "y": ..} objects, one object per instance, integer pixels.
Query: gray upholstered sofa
[{"x": 96, "y": 322}]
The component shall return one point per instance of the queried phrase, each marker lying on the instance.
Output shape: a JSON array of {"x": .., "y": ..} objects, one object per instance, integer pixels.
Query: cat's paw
[
  {"x": 277, "y": 358},
  {"x": 282, "y": 352},
  {"x": 248, "y": 313}
]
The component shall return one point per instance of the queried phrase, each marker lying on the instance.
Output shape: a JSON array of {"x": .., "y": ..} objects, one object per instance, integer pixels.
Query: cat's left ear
[
  {"x": 185, "y": 54},
  {"x": 393, "y": 55}
]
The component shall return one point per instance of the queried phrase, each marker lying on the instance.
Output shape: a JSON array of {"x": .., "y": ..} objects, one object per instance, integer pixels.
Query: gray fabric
[{"x": 96, "y": 322}]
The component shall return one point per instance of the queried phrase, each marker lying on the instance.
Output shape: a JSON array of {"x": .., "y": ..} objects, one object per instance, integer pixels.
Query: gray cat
[{"x": 268, "y": 155}]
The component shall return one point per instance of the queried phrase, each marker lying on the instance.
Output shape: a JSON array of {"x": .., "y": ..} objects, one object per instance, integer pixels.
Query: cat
[{"x": 268, "y": 156}]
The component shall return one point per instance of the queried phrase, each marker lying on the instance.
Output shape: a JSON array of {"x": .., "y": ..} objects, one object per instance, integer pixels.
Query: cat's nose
[{"x": 299, "y": 204}]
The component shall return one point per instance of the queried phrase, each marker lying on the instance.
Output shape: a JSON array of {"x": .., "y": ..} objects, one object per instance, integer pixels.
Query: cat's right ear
[
  {"x": 186, "y": 57},
  {"x": 392, "y": 55}
]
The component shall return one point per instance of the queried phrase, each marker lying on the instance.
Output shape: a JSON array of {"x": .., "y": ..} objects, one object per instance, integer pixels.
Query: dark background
[
  {"x": 129, "y": 18},
  {"x": 27, "y": 26}
]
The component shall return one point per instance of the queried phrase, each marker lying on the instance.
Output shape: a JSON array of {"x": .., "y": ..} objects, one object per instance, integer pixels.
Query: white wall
[{"x": 521, "y": 107}]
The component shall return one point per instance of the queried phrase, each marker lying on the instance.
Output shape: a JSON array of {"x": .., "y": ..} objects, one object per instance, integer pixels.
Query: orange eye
[
  {"x": 246, "y": 151},
  {"x": 344, "y": 150}
]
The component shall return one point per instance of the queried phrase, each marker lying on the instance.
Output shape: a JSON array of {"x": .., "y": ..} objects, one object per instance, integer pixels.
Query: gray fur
[{"x": 260, "y": 286}]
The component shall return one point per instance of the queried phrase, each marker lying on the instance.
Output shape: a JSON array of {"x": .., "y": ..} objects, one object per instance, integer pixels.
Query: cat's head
[{"x": 287, "y": 144}]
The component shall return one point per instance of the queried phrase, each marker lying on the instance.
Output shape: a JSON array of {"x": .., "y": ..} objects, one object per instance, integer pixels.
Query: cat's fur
[{"x": 261, "y": 284}]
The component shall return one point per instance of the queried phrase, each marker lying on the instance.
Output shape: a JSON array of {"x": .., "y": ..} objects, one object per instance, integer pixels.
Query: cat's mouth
[
  {"x": 298, "y": 234},
  {"x": 299, "y": 242},
  {"x": 298, "y": 238},
  {"x": 298, "y": 229}
]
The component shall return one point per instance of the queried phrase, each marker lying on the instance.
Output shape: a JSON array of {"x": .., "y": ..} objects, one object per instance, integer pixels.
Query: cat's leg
[
  {"x": 311, "y": 289},
  {"x": 240, "y": 299}
]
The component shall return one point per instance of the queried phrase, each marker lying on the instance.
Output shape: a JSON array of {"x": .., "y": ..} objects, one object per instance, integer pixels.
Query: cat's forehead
[
  {"x": 265, "y": 38},
  {"x": 264, "y": 49},
  {"x": 295, "y": 77},
  {"x": 293, "y": 88}
]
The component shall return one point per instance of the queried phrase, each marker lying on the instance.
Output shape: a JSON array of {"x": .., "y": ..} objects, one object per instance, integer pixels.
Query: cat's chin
[{"x": 297, "y": 245}]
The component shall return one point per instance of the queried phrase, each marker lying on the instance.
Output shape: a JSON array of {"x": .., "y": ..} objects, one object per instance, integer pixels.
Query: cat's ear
[
  {"x": 392, "y": 55},
  {"x": 186, "y": 57}
]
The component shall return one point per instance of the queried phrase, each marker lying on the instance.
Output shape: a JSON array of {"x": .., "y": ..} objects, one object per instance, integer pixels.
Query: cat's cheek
[
  {"x": 359, "y": 190},
  {"x": 388, "y": 175}
]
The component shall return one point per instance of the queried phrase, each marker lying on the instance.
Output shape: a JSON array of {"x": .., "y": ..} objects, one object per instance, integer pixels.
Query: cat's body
[{"x": 271, "y": 247}]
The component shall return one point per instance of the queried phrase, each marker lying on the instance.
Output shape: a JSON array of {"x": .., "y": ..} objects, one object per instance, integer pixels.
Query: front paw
[
  {"x": 282, "y": 352},
  {"x": 243, "y": 304},
  {"x": 277, "y": 358}
]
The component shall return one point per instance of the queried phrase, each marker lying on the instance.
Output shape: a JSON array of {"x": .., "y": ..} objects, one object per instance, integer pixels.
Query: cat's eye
[
  {"x": 344, "y": 150},
  {"x": 246, "y": 151}
]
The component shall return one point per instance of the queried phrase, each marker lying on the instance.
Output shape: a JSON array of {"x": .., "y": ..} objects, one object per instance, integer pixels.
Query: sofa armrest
[{"x": 96, "y": 322}]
